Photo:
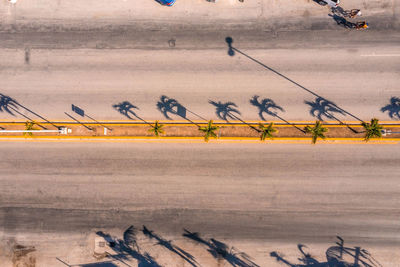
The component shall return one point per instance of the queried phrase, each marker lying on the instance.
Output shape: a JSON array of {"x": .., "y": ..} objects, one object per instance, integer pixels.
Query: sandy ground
[{"x": 257, "y": 198}]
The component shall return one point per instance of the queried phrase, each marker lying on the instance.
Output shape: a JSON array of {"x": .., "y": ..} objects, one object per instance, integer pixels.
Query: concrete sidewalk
[{"x": 274, "y": 14}]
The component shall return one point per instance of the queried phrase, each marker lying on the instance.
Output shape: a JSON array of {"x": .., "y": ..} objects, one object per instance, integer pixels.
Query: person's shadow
[{"x": 341, "y": 21}]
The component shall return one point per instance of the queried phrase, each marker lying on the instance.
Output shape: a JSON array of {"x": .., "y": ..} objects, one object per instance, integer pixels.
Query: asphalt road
[
  {"x": 260, "y": 198},
  {"x": 360, "y": 80}
]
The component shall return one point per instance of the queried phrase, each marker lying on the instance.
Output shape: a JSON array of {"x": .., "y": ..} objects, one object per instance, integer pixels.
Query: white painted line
[{"x": 381, "y": 55}]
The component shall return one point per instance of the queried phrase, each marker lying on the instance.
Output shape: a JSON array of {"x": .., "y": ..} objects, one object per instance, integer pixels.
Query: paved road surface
[
  {"x": 259, "y": 198},
  {"x": 359, "y": 80}
]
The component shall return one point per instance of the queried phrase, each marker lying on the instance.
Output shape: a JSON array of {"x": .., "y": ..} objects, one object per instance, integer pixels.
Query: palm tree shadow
[
  {"x": 220, "y": 250},
  {"x": 228, "y": 110},
  {"x": 232, "y": 50},
  {"x": 393, "y": 108},
  {"x": 268, "y": 106},
  {"x": 8, "y": 104},
  {"x": 126, "y": 108},
  {"x": 168, "y": 105},
  {"x": 128, "y": 247},
  {"x": 171, "y": 247},
  {"x": 337, "y": 256},
  {"x": 324, "y": 108},
  {"x": 225, "y": 111}
]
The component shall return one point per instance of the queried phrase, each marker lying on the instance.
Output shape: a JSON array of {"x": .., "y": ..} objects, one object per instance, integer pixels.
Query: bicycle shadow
[{"x": 341, "y": 21}]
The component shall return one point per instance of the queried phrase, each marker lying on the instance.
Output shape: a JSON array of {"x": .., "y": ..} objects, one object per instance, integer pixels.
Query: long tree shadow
[
  {"x": 228, "y": 110},
  {"x": 269, "y": 107},
  {"x": 9, "y": 105},
  {"x": 393, "y": 108},
  {"x": 168, "y": 105},
  {"x": 220, "y": 250},
  {"x": 171, "y": 247},
  {"x": 336, "y": 256},
  {"x": 324, "y": 108},
  {"x": 127, "y": 109},
  {"x": 232, "y": 50},
  {"x": 128, "y": 247}
]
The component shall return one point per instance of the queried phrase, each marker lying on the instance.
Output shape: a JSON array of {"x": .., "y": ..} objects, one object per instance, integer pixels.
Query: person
[
  {"x": 354, "y": 13},
  {"x": 12, "y": 1},
  {"x": 361, "y": 25}
]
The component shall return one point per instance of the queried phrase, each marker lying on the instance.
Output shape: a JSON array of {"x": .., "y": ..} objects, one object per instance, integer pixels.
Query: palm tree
[
  {"x": 157, "y": 129},
  {"x": 372, "y": 129},
  {"x": 29, "y": 126},
  {"x": 209, "y": 130},
  {"x": 266, "y": 131},
  {"x": 316, "y": 131}
]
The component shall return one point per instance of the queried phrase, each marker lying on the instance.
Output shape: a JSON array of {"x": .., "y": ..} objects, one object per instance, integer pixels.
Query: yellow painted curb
[
  {"x": 109, "y": 123},
  {"x": 149, "y": 139}
]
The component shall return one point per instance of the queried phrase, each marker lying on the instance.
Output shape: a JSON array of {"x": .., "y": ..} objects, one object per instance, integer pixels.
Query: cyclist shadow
[{"x": 341, "y": 21}]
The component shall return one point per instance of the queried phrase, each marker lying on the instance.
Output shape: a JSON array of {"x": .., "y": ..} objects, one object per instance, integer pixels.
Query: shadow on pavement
[
  {"x": 393, "y": 108},
  {"x": 228, "y": 110},
  {"x": 269, "y": 107},
  {"x": 222, "y": 251},
  {"x": 232, "y": 50},
  {"x": 336, "y": 256},
  {"x": 324, "y": 108},
  {"x": 171, "y": 247},
  {"x": 10, "y": 105}
]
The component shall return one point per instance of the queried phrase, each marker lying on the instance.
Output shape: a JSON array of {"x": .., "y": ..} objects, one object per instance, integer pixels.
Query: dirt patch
[
  {"x": 192, "y": 130},
  {"x": 23, "y": 256}
]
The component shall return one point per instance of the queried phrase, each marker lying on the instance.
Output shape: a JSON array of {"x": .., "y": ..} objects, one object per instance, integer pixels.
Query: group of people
[
  {"x": 359, "y": 24},
  {"x": 340, "y": 16}
]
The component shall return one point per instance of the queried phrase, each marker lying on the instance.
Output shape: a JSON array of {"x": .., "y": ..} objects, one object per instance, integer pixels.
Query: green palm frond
[
  {"x": 266, "y": 131},
  {"x": 209, "y": 131},
  {"x": 29, "y": 126},
  {"x": 317, "y": 131},
  {"x": 372, "y": 129},
  {"x": 157, "y": 129}
]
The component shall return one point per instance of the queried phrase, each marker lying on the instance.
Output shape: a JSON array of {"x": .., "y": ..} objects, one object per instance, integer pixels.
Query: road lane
[
  {"x": 273, "y": 196},
  {"x": 95, "y": 80}
]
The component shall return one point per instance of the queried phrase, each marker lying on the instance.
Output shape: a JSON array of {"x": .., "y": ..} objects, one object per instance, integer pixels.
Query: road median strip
[{"x": 186, "y": 132}]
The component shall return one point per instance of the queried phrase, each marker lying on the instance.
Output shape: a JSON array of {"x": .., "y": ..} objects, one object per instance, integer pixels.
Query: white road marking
[{"x": 381, "y": 55}]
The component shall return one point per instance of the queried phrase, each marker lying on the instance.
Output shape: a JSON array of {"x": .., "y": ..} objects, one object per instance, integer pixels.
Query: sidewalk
[{"x": 270, "y": 13}]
